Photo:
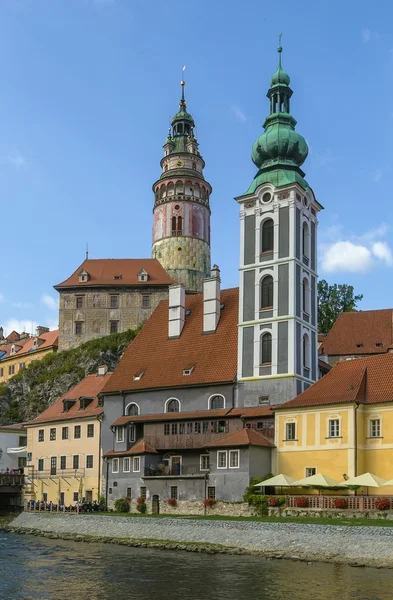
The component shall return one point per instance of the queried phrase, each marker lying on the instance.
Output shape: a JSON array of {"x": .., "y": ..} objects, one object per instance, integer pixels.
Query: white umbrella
[
  {"x": 317, "y": 480},
  {"x": 387, "y": 483},
  {"x": 277, "y": 481},
  {"x": 365, "y": 480}
]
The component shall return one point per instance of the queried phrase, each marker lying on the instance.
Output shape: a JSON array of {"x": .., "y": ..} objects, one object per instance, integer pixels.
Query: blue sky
[{"x": 86, "y": 91}]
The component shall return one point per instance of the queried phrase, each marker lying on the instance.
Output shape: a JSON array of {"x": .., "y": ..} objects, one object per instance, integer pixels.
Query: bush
[
  {"x": 340, "y": 503},
  {"x": 301, "y": 502},
  {"x": 209, "y": 502},
  {"x": 172, "y": 502},
  {"x": 276, "y": 501},
  {"x": 141, "y": 504},
  {"x": 122, "y": 505},
  {"x": 382, "y": 504}
]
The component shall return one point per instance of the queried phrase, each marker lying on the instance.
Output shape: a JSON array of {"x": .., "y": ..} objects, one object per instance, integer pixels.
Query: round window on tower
[
  {"x": 179, "y": 249},
  {"x": 266, "y": 197},
  {"x": 177, "y": 207}
]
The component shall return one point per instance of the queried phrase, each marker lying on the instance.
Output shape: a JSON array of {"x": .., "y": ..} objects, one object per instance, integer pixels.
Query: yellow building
[
  {"x": 17, "y": 351},
  {"x": 64, "y": 446},
  {"x": 342, "y": 426}
]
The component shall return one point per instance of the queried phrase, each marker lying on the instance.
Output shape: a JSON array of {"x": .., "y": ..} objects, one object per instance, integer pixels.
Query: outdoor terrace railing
[
  {"x": 174, "y": 471},
  {"x": 329, "y": 502},
  {"x": 11, "y": 479}
]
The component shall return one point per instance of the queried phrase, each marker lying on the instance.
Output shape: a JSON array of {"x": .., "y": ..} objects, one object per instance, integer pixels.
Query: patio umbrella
[
  {"x": 317, "y": 480},
  {"x": 365, "y": 480},
  {"x": 387, "y": 483},
  {"x": 277, "y": 481}
]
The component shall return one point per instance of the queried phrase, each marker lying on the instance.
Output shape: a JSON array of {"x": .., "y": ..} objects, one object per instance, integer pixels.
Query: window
[
  {"x": 267, "y": 234},
  {"x": 78, "y": 328},
  {"x": 40, "y": 464},
  {"x": 375, "y": 428},
  {"x": 146, "y": 301},
  {"x": 182, "y": 428},
  {"x": 334, "y": 428},
  {"x": 89, "y": 461},
  {"x": 61, "y": 498},
  {"x": 53, "y": 465},
  {"x": 173, "y": 405},
  {"x": 115, "y": 465},
  {"x": 132, "y": 409},
  {"x": 76, "y": 496},
  {"x": 174, "y": 429},
  {"x": 22, "y": 462},
  {"x": 197, "y": 427},
  {"x": 90, "y": 430},
  {"x": 306, "y": 297},
  {"x": 41, "y": 435},
  {"x": 79, "y": 302},
  {"x": 119, "y": 434},
  {"x": 52, "y": 434},
  {"x": 128, "y": 493},
  {"x": 136, "y": 464},
  {"x": 142, "y": 491},
  {"x": 311, "y": 471},
  {"x": 305, "y": 240},
  {"x": 64, "y": 433},
  {"x": 266, "y": 349},
  {"x": 126, "y": 465},
  {"x": 189, "y": 428},
  {"x": 234, "y": 459},
  {"x": 263, "y": 400},
  {"x": 306, "y": 351},
  {"x": 45, "y": 497},
  {"x": 217, "y": 402},
  {"x": 174, "y": 491},
  {"x": 220, "y": 426},
  {"x": 75, "y": 462},
  {"x": 132, "y": 433},
  {"x": 77, "y": 432},
  {"x": 110, "y": 490},
  {"x": 21, "y": 365},
  {"x": 167, "y": 428},
  {"x": 11, "y": 370},
  {"x": 222, "y": 459},
  {"x": 267, "y": 292},
  {"x": 290, "y": 431},
  {"x": 205, "y": 427},
  {"x": 205, "y": 462},
  {"x": 63, "y": 463},
  {"x": 211, "y": 492},
  {"x": 114, "y": 326},
  {"x": 114, "y": 301}
]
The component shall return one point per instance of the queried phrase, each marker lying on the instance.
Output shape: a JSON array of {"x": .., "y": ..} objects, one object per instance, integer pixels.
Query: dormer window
[
  {"x": 143, "y": 276},
  {"x": 67, "y": 404},
  {"x": 359, "y": 345},
  {"x": 188, "y": 371},
  {"x": 117, "y": 277},
  {"x": 83, "y": 276},
  {"x": 379, "y": 344},
  {"x": 13, "y": 349},
  {"x": 138, "y": 376},
  {"x": 84, "y": 402}
]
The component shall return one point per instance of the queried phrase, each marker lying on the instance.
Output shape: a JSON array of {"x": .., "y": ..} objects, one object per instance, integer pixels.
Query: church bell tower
[
  {"x": 278, "y": 329},
  {"x": 181, "y": 228}
]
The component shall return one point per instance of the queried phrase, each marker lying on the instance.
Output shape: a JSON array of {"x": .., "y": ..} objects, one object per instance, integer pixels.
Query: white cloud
[
  {"x": 49, "y": 301},
  {"x": 22, "y": 304},
  {"x": 346, "y": 256},
  {"x": 19, "y": 325},
  {"x": 16, "y": 158},
  {"x": 239, "y": 114},
  {"x": 382, "y": 251},
  {"x": 366, "y": 35}
]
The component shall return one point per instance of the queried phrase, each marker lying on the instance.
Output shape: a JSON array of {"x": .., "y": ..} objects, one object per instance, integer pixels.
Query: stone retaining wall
[
  {"x": 332, "y": 513},
  {"x": 189, "y": 507}
]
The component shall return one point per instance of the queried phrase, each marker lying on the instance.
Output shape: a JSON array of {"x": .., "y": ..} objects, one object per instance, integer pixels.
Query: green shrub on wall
[
  {"x": 122, "y": 505},
  {"x": 258, "y": 501}
]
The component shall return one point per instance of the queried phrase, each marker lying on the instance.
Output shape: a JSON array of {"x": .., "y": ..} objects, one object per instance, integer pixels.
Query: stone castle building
[{"x": 105, "y": 296}]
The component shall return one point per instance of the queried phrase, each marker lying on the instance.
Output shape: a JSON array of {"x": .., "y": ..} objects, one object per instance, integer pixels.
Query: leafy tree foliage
[{"x": 333, "y": 300}]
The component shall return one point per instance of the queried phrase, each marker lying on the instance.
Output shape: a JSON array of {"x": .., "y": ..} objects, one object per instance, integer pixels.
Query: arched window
[
  {"x": 266, "y": 348},
  {"x": 132, "y": 409},
  {"x": 305, "y": 241},
  {"x": 172, "y": 405},
  {"x": 306, "y": 351},
  {"x": 267, "y": 292},
  {"x": 173, "y": 225},
  {"x": 179, "y": 226},
  {"x": 267, "y": 236},
  {"x": 217, "y": 402},
  {"x": 306, "y": 296}
]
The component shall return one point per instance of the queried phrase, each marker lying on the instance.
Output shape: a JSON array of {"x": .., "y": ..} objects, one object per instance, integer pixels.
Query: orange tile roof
[
  {"x": 26, "y": 345},
  {"x": 364, "y": 380},
  {"x": 89, "y": 387},
  {"x": 12, "y": 337},
  {"x": 140, "y": 447},
  {"x": 14, "y": 426},
  {"x": 263, "y": 411},
  {"x": 163, "y": 360},
  {"x": 244, "y": 437},
  {"x": 359, "y": 332},
  {"x": 102, "y": 271}
]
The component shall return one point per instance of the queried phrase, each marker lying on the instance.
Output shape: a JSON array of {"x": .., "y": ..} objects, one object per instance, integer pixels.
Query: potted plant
[
  {"x": 301, "y": 502},
  {"x": 382, "y": 504},
  {"x": 273, "y": 501},
  {"x": 209, "y": 502},
  {"x": 340, "y": 503},
  {"x": 172, "y": 502},
  {"x": 141, "y": 504}
]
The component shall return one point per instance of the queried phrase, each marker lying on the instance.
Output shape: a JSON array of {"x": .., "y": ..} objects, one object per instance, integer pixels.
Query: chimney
[
  {"x": 177, "y": 311},
  {"x": 1, "y": 333},
  {"x": 40, "y": 330},
  {"x": 102, "y": 370},
  {"x": 211, "y": 301}
]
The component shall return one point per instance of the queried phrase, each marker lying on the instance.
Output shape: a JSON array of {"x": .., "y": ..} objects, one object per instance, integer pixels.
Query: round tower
[{"x": 181, "y": 227}]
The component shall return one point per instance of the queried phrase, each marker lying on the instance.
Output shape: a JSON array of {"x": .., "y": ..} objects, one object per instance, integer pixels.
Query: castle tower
[
  {"x": 278, "y": 330},
  {"x": 181, "y": 228}
]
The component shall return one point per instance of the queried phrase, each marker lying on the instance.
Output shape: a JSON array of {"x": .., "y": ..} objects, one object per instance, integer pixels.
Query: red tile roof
[
  {"x": 359, "y": 333},
  {"x": 102, "y": 271},
  {"x": 26, "y": 345},
  {"x": 244, "y": 437},
  {"x": 14, "y": 426},
  {"x": 89, "y": 387},
  {"x": 12, "y": 337},
  {"x": 364, "y": 380},
  {"x": 263, "y": 411},
  {"x": 163, "y": 360},
  {"x": 140, "y": 447}
]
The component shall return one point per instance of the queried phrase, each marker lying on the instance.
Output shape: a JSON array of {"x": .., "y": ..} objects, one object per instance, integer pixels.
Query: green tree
[{"x": 332, "y": 301}]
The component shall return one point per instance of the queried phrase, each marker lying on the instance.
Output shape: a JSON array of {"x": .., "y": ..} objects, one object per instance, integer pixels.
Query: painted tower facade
[
  {"x": 278, "y": 330},
  {"x": 181, "y": 228}
]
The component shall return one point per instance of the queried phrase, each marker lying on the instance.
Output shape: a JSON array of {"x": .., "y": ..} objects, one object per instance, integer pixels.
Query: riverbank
[{"x": 357, "y": 546}]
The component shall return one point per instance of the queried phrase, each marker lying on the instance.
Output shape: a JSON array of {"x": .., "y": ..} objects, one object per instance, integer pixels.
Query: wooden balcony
[
  {"x": 184, "y": 441},
  {"x": 175, "y": 471},
  {"x": 11, "y": 480}
]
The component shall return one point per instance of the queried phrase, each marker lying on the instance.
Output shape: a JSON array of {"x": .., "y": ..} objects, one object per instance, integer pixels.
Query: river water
[{"x": 34, "y": 568}]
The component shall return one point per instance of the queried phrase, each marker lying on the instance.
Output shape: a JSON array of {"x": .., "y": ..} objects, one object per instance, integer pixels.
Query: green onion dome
[{"x": 280, "y": 143}]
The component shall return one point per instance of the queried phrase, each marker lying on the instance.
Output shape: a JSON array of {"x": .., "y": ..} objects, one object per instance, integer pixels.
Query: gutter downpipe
[
  {"x": 100, "y": 457},
  {"x": 356, "y": 439}
]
